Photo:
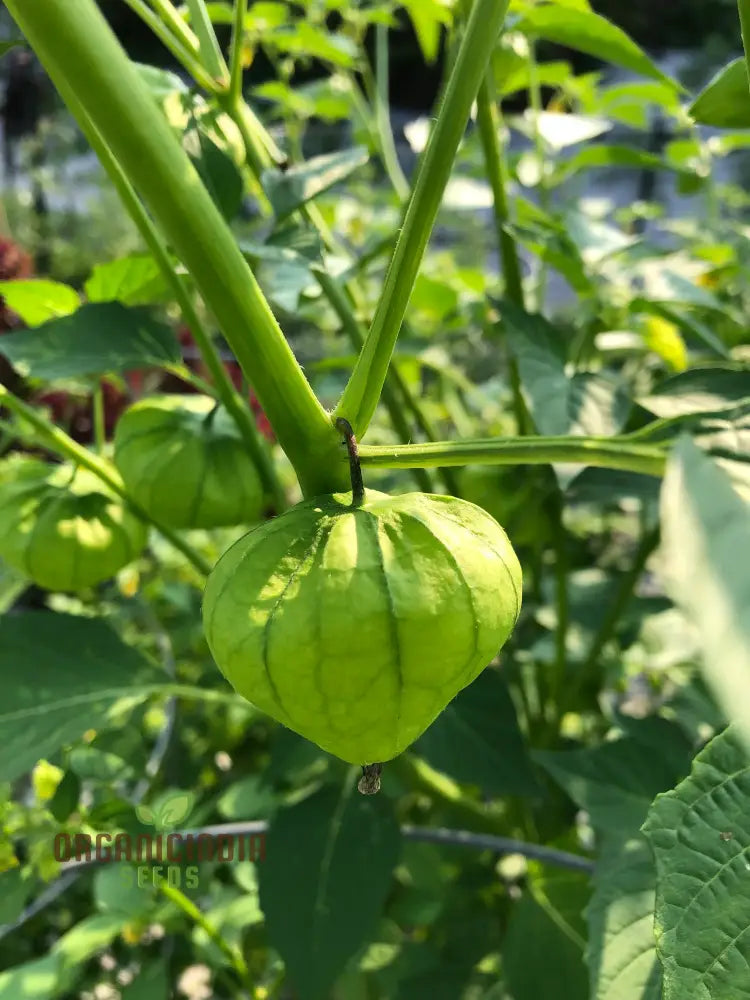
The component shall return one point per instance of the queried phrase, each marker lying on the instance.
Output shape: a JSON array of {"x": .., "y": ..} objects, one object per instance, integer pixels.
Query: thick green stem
[
  {"x": 170, "y": 16},
  {"x": 65, "y": 446},
  {"x": 362, "y": 392},
  {"x": 224, "y": 387},
  {"x": 391, "y": 390},
  {"x": 78, "y": 49},
  {"x": 605, "y": 453}
]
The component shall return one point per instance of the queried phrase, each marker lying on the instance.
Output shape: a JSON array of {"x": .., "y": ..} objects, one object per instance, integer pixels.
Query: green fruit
[
  {"x": 184, "y": 462},
  {"x": 63, "y": 528},
  {"x": 356, "y": 625}
]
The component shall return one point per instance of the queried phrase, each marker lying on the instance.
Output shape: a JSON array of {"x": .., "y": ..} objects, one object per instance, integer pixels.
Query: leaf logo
[{"x": 170, "y": 812}]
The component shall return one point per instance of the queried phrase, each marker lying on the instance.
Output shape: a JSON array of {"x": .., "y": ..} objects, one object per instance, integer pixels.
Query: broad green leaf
[
  {"x": 617, "y": 781},
  {"x": 613, "y": 156},
  {"x": 726, "y": 437},
  {"x": 135, "y": 280},
  {"x": 591, "y": 33},
  {"x": 559, "y": 403},
  {"x": 116, "y": 890},
  {"x": 338, "y": 875},
  {"x": 621, "y": 952},
  {"x": 99, "y": 338},
  {"x": 289, "y": 189},
  {"x": 609, "y": 487},
  {"x": 700, "y": 390},
  {"x": 700, "y": 836},
  {"x": 61, "y": 676},
  {"x": 725, "y": 101},
  {"x": 92, "y": 763},
  {"x": 549, "y": 915},
  {"x": 705, "y": 536},
  {"x": 476, "y": 740},
  {"x": 36, "y": 300}
]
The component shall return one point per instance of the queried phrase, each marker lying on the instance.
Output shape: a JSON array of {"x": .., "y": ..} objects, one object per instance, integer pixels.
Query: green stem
[
  {"x": 562, "y": 609},
  {"x": 605, "y": 453},
  {"x": 65, "y": 446},
  {"x": 185, "y": 57},
  {"x": 231, "y": 952},
  {"x": 489, "y": 126},
  {"x": 211, "y": 56},
  {"x": 97, "y": 408},
  {"x": 80, "y": 52},
  {"x": 234, "y": 404},
  {"x": 235, "y": 57},
  {"x": 535, "y": 100},
  {"x": 384, "y": 130},
  {"x": 392, "y": 388},
  {"x": 178, "y": 26},
  {"x": 361, "y": 394}
]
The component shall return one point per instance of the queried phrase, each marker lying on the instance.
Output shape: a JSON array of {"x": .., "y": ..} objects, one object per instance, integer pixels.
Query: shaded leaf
[
  {"x": 289, "y": 189},
  {"x": 585, "y": 403},
  {"x": 338, "y": 874},
  {"x": 98, "y": 338},
  {"x": 621, "y": 952},
  {"x": 476, "y": 740},
  {"x": 705, "y": 536},
  {"x": 700, "y": 390},
  {"x": 617, "y": 781},
  {"x": 217, "y": 170},
  {"x": 700, "y": 836},
  {"x": 61, "y": 676},
  {"x": 549, "y": 914}
]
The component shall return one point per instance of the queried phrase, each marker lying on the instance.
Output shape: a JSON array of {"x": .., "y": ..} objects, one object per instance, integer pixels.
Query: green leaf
[
  {"x": 36, "y": 300},
  {"x": 700, "y": 390},
  {"x": 99, "y": 338},
  {"x": 585, "y": 403},
  {"x": 700, "y": 837},
  {"x": 288, "y": 190},
  {"x": 217, "y": 170},
  {"x": 311, "y": 42},
  {"x": 588, "y": 32},
  {"x": 338, "y": 875},
  {"x": 549, "y": 914},
  {"x": 477, "y": 740},
  {"x": 725, "y": 101},
  {"x": 428, "y": 18},
  {"x": 92, "y": 763},
  {"x": 248, "y": 798},
  {"x": 621, "y": 952},
  {"x": 116, "y": 890},
  {"x": 14, "y": 891},
  {"x": 617, "y": 781},
  {"x": 705, "y": 535},
  {"x": 61, "y": 676},
  {"x": 135, "y": 280},
  {"x": 161, "y": 82}
]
